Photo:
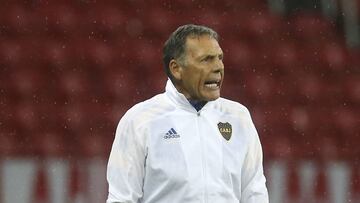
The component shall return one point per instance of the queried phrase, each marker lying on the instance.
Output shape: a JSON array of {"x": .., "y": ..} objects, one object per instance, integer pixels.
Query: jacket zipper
[{"x": 203, "y": 157}]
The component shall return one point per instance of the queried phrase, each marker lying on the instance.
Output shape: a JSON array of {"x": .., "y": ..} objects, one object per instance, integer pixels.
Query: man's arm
[
  {"x": 253, "y": 180},
  {"x": 125, "y": 170}
]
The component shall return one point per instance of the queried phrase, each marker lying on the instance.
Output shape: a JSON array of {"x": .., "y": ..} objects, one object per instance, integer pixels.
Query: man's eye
[{"x": 208, "y": 58}]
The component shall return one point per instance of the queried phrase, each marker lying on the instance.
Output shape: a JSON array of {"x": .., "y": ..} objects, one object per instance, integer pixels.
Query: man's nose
[{"x": 218, "y": 66}]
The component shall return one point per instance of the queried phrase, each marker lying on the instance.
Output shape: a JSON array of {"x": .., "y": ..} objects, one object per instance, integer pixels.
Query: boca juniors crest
[{"x": 225, "y": 130}]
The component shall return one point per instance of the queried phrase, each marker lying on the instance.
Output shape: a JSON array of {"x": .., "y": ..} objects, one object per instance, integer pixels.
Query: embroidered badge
[{"x": 225, "y": 130}]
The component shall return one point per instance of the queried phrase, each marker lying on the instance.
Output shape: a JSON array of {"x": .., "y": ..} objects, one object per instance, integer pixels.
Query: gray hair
[{"x": 174, "y": 47}]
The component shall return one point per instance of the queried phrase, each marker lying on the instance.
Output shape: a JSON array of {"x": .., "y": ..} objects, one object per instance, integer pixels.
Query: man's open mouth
[{"x": 213, "y": 84}]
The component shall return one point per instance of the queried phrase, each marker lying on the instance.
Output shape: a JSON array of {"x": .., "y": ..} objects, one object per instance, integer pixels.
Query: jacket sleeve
[
  {"x": 253, "y": 180},
  {"x": 125, "y": 169}
]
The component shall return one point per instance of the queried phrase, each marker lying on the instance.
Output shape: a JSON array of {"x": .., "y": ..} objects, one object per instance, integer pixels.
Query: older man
[{"x": 188, "y": 145}]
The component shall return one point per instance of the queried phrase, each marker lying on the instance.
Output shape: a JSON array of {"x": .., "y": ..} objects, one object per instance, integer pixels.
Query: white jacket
[{"x": 166, "y": 152}]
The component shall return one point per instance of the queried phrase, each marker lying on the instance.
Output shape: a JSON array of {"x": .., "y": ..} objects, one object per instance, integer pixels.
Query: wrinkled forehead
[
  {"x": 202, "y": 45},
  {"x": 199, "y": 38}
]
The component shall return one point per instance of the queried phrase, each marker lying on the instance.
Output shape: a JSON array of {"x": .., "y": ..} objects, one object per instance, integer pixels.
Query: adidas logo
[{"x": 171, "y": 134}]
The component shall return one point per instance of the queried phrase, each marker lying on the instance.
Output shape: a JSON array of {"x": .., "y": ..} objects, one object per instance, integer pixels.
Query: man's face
[{"x": 202, "y": 71}]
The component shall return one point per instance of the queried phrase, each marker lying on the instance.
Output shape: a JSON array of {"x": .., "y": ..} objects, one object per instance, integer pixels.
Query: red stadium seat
[
  {"x": 76, "y": 85},
  {"x": 23, "y": 52},
  {"x": 257, "y": 26},
  {"x": 50, "y": 144},
  {"x": 93, "y": 145},
  {"x": 100, "y": 53},
  {"x": 74, "y": 117},
  {"x": 310, "y": 88},
  {"x": 285, "y": 87},
  {"x": 18, "y": 19},
  {"x": 6, "y": 113},
  {"x": 346, "y": 120},
  {"x": 310, "y": 126},
  {"x": 57, "y": 53},
  {"x": 239, "y": 56},
  {"x": 115, "y": 112},
  {"x": 61, "y": 19},
  {"x": 264, "y": 25},
  {"x": 105, "y": 20},
  {"x": 312, "y": 27},
  {"x": 158, "y": 22},
  {"x": 261, "y": 87},
  {"x": 216, "y": 20},
  {"x": 311, "y": 57},
  {"x": 27, "y": 82},
  {"x": 300, "y": 119},
  {"x": 96, "y": 114},
  {"x": 229, "y": 5},
  {"x": 51, "y": 114},
  {"x": 259, "y": 117},
  {"x": 279, "y": 147},
  {"x": 351, "y": 88},
  {"x": 354, "y": 60},
  {"x": 27, "y": 116},
  {"x": 8, "y": 143},
  {"x": 278, "y": 118},
  {"x": 328, "y": 148},
  {"x": 11, "y": 52},
  {"x": 121, "y": 84},
  {"x": 284, "y": 55},
  {"x": 147, "y": 54},
  {"x": 335, "y": 57}
]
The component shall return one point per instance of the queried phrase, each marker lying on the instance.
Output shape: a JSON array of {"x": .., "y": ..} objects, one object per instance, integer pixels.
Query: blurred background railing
[{"x": 70, "y": 69}]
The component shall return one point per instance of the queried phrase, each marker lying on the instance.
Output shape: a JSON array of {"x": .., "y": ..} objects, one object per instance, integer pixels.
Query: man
[{"x": 188, "y": 145}]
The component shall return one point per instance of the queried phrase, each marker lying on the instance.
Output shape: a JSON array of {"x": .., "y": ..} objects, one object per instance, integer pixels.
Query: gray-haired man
[{"x": 188, "y": 145}]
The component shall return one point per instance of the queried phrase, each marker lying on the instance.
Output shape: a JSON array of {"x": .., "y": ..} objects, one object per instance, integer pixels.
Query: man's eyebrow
[
  {"x": 206, "y": 56},
  {"x": 211, "y": 55}
]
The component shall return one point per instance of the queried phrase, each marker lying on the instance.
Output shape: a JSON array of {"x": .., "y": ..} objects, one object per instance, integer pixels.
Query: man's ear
[{"x": 175, "y": 69}]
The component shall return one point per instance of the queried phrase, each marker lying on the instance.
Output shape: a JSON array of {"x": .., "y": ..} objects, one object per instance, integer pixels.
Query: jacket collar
[{"x": 179, "y": 99}]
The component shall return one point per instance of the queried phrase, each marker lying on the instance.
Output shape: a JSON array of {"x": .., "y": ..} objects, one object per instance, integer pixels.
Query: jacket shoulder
[
  {"x": 148, "y": 110},
  {"x": 233, "y": 108}
]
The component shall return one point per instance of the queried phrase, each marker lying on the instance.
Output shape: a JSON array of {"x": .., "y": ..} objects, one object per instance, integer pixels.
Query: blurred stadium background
[{"x": 69, "y": 69}]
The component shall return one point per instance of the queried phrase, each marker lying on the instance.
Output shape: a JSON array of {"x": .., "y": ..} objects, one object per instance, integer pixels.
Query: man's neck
[{"x": 198, "y": 105}]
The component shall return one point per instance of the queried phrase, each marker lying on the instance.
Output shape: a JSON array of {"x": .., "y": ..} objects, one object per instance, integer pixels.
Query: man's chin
[{"x": 212, "y": 97}]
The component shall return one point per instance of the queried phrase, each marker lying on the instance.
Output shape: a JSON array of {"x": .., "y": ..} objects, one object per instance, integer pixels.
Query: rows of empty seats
[{"x": 69, "y": 71}]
